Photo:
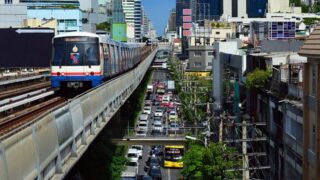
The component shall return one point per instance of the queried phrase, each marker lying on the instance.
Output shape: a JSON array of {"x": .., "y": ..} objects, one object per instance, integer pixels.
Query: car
[
  {"x": 147, "y": 109},
  {"x": 141, "y": 132},
  {"x": 156, "y": 150},
  {"x": 133, "y": 164},
  {"x": 157, "y": 126},
  {"x": 157, "y": 118},
  {"x": 147, "y": 103},
  {"x": 143, "y": 125},
  {"x": 165, "y": 103},
  {"x": 139, "y": 148},
  {"x": 158, "y": 112},
  {"x": 132, "y": 155},
  {"x": 173, "y": 116},
  {"x": 143, "y": 117},
  {"x": 153, "y": 161},
  {"x": 166, "y": 98},
  {"x": 174, "y": 126},
  {"x": 155, "y": 173}
]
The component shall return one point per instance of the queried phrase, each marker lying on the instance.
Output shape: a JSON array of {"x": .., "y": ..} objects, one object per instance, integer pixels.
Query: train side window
[{"x": 105, "y": 51}]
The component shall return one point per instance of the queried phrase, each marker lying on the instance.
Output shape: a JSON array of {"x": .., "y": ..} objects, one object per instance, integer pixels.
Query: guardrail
[{"x": 50, "y": 146}]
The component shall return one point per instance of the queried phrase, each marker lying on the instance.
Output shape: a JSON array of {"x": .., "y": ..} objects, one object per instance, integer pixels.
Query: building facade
[
  {"x": 128, "y": 10},
  {"x": 311, "y": 108},
  {"x": 137, "y": 19}
]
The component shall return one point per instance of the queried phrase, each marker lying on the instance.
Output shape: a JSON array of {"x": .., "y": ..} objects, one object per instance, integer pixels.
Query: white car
[
  {"x": 143, "y": 125},
  {"x": 132, "y": 155},
  {"x": 130, "y": 168},
  {"x": 144, "y": 117},
  {"x": 139, "y": 148},
  {"x": 157, "y": 126},
  {"x": 158, "y": 112},
  {"x": 141, "y": 132},
  {"x": 147, "y": 109}
]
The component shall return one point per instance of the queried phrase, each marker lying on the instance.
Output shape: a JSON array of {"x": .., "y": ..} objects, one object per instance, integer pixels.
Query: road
[{"x": 167, "y": 174}]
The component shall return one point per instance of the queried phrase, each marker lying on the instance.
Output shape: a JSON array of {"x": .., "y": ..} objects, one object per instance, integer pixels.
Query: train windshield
[{"x": 75, "y": 51}]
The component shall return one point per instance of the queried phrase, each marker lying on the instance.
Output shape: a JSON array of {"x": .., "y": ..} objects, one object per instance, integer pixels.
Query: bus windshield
[
  {"x": 75, "y": 51},
  {"x": 173, "y": 153}
]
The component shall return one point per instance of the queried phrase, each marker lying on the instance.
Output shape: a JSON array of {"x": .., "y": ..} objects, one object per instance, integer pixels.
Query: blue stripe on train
[{"x": 95, "y": 80}]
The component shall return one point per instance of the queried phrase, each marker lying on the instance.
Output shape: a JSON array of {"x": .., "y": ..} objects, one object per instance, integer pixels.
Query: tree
[
  {"x": 257, "y": 78},
  {"x": 214, "y": 162},
  {"x": 105, "y": 26}
]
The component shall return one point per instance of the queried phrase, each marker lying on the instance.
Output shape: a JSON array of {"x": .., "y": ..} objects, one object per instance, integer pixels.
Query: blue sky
[{"x": 158, "y": 12}]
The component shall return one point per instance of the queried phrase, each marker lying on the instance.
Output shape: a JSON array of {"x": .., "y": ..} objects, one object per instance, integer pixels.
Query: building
[
  {"x": 234, "y": 8},
  {"x": 180, "y": 5},
  {"x": 137, "y": 19},
  {"x": 172, "y": 22},
  {"x": 256, "y": 8},
  {"x": 117, "y": 12},
  {"x": 128, "y": 10},
  {"x": 311, "y": 108},
  {"x": 278, "y": 6},
  {"x": 12, "y": 15}
]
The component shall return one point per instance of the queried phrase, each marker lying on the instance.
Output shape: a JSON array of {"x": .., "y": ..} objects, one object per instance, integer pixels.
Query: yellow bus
[{"x": 173, "y": 156}]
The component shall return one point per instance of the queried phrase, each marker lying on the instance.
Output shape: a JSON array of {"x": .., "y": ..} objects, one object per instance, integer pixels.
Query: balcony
[{"x": 295, "y": 91}]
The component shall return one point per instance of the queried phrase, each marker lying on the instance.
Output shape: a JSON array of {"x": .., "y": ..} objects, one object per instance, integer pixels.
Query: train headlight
[
  {"x": 91, "y": 73},
  {"x": 59, "y": 74}
]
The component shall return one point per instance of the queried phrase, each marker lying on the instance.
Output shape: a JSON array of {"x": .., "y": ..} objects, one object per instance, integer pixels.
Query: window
[
  {"x": 217, "y": 32},
  {"x": 209, "y": 63},
  {"x": 210, "y": 53},
  {"x": 197, "y": 54},
  {"x": 294, "y": 129},
  {"x": 197, "y": 64},
  {"x": 7, "y": 1},
  {"x": 71, "y": 22}
]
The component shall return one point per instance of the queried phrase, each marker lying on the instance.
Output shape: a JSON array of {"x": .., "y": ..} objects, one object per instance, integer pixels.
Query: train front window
[{"x": 76, "y": 51}]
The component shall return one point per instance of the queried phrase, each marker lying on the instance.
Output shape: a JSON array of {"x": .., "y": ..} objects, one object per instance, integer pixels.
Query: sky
[{"x": 158, "y": 12}]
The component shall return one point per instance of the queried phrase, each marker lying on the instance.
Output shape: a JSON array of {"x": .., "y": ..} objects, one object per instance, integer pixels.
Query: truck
[{"x": 171, "y": 86}]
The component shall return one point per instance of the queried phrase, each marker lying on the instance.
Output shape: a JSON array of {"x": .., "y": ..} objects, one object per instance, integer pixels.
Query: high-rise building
[
  {"x": 234, "y": 8},
  {"x": 137, "y": 19},
  {"x": 128, "y": 9},
  {"x": 117, "y": 12},
  {"x": 180, "y": 5},
  {"x": 256, "y": 8},
  {"x": 172, "y": 21}
]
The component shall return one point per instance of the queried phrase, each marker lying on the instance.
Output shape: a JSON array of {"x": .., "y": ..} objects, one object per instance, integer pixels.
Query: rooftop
[{"x": 311, "y": 47}]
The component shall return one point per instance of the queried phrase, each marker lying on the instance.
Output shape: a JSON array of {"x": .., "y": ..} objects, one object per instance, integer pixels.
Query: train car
[{"x": 85, "y": 60}]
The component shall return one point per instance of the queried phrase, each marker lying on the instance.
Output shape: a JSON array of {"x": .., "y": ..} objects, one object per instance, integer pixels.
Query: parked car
[
  {"x": 132, "y": 155},
  {"x": 139, "y": 148}
]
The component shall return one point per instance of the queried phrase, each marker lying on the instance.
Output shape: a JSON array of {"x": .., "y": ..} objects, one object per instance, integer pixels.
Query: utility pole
[{"x": 245, "y": 161}]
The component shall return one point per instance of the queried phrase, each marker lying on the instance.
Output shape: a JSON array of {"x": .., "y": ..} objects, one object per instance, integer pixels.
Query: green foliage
[
  {"x": 118, "y": 162},
  {"x": 257, "y": 78},
  {"x": 210, "y": 163},
  {"x": 309, "y": 21},
  {"x": 69, "y": 6},
  {"x": 105, "y": 26}
]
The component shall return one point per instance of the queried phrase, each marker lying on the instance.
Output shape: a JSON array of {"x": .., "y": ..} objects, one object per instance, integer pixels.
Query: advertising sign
[{"x": 119, "y": 32}]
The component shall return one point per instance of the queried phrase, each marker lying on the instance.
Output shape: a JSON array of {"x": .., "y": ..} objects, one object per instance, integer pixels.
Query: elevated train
[{"x": 86, "y": 60}]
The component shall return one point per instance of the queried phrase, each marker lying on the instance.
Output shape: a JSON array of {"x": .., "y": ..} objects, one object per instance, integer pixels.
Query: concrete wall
[
  {"x": 12, "y": 15},
  {"x": 50, "y": 147}
]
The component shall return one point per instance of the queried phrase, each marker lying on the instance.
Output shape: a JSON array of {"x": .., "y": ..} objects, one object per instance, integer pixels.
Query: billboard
[
  {"x": 119, "y": 32},
  {"x": 25, "y": 47}
]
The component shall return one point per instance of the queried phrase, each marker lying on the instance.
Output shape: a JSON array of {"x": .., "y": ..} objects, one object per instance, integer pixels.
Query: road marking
[{"x": 169, "y": 176}]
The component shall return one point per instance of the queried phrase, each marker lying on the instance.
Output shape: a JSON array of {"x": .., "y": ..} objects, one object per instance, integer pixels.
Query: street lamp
[{"x": 205, "y": 143}]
